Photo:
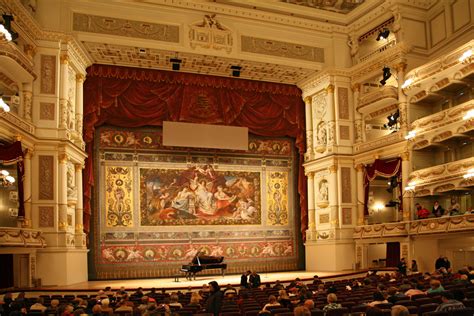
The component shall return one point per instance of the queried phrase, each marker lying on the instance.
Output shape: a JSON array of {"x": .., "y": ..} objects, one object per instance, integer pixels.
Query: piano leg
[
  {"x": 223, "y": 272},
  {"x": 194, "y": 275}
]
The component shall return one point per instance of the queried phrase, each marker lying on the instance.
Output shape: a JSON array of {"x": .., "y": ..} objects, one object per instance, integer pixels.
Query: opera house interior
[{"x": 175, "y": 141}]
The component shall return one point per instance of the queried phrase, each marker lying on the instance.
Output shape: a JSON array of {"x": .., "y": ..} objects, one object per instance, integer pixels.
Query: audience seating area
[{"x": 249, "y": 302}]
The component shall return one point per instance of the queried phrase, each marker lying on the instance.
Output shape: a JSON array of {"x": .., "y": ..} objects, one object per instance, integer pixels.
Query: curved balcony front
[{"x": 378, "y": 102}]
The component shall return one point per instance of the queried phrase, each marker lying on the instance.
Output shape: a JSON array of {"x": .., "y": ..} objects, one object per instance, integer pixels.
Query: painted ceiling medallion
[{"x": 338, "y": 6}]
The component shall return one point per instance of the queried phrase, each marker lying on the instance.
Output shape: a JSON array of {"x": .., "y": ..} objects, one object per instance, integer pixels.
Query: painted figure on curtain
[
  {"x": 118, "y": 196},
  {"x": 199, "y": 195}
]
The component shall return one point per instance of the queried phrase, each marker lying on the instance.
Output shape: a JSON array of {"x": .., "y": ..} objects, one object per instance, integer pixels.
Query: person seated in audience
[
  {"x": 139, "y": 292},
  {"x": 435, "y": 287},
  {"x": 332, "y": 302},
  {"x": 418, "y": 289},
  {"x": 66, "y": 310},
  {"x": 108, "y": 291},
  {"x": 152, "y": 292},
  {"x": 405, "y": 286},
  {"x": 379, "y": 298},
  {"x": 16, "y": 309},
  {"x": 414, "y": 266},
  {"x": 97, "y": 310},
  {"x": 469, "y": 211},
  {"x": 106, "y": 309},
  {"x": 321, "y": 290},
  {"x": 301, "y": 311},
  {"x": 174, "y": 301},
  {"x": 373, "y": 311},
  {"x": 121, "y": 292},
  {"x": 356, "y": 284},
  {"x": 449, "y": 303},
  {"x": 278, "y": 285},
  {"x": 81, "y": 304},
  {"x": 143, "y": 306},
  {"x": 38, "y": 305},
  {"x": 316, "y": 280},
  {"x": 122, "y": 306},
  {"x": 421, "y": 212},
  {"x": 309, "y": 304},
  {"x": 78, "y": 312},
  {"x": 284, "y": 298},
  {"x": 437, "y": 210},
  {"x": 230, "y": 291},
  {"x": 272, "y": 301},
  {"x": 454, "y": 208},
  {"x": 393, "y": 294},
  {"x": 53, "y": 307},
  {"x": 205, "y": 288},
  {"x": 426, "y": 276},
  {"x": 399, "y": 310},
  {"x": 195, "y": 300}
]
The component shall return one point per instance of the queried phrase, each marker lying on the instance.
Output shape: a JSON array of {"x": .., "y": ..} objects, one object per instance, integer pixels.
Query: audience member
[
  {"x": 301, "y": 311},
  {"x": 379, "y": 298},
  {"x": 139, "y": 292},
  {"x": 454, "y": 208},
  {"x": 272, "y": 301},
  {"x": 438, "y": 210},
  {"x": 402, "y": 266},
  {"x": 449, "y": 303},
  {"x": 316, "y": 280},
  {"x": 435, "y": 287},
  {"x": 393, "y": 294},
  {"x": 421, "y": 212},
  {"x": 309, "y": 304},
  {"x": 214, "y": 301},
  {"x": 399, "y": 310},
  {"x": 254, "y": 280},
  {"x": 414, "y": 266},
  {"x": 283, "y": 298},
  {"x": 195, "y": 300},
  {"x": 97, "y": 310},
  {"x": 38, "y": 306},
  {"x": 244, "y": 279},
  {"x": 278, "y": 285},
  {"x": 405, "y": 286},
  {"x": 332, "y": 302},
  {"x": 416, "y": 291},
  {"x": 230, "y": 291}
]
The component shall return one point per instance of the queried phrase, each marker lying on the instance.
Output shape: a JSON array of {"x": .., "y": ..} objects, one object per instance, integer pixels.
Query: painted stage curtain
[
  {"x": 383, "y": 168},
  {"x": 13, "y": 154},
  {"x": 132, "y": 97}
]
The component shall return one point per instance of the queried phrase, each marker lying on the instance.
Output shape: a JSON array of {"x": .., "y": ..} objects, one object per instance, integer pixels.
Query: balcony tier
[{"x": 375, "y": 101}]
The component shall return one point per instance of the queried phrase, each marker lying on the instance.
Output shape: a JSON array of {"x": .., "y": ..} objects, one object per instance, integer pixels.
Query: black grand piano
[{"x": 201, "y": 262}]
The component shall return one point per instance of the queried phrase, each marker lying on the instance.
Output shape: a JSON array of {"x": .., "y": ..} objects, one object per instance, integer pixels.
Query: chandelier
[{"x": 6, "y": 179}]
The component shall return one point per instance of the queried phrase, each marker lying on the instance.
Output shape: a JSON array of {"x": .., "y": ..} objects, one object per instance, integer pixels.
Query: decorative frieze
[
  {"x": 211, "y": 34},
  {"x": 47, "y": 111},
  {"x": 343, "y": 102},
  {"x": 128, "y": 28},
  {"x": 45, "y": 177},
  {"x": 48, "y": 74},
  {"x": 20, "y": 237},
  {"x": 46, "y": 216}
]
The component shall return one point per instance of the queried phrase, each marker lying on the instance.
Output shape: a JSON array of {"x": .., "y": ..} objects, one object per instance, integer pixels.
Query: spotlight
[
  {"x": 175, "y": 63},
  {"x": 6, "y": 28},
  {"x": 392, "y": 120},
  {"x": 386, "y": 75},
  {"x": 393, "y": 183},
  {"x": 383, "y": 34},
  {"x": 235, "y": 71}
]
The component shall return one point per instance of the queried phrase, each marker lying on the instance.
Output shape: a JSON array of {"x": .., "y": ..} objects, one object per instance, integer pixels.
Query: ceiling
[{"x": 338, "y": 6}]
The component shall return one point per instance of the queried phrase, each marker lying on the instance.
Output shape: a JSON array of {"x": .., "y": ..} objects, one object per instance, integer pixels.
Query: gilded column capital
[
  {"x": 307, "y": 100},
  {"x": 330, "y": 88},
  {"x": 405, "y": 156},
  {"x": 79, "y": 228},
  {"x": 29, "y": 153},
  {"x": 63, "y": 158},
  {"x": 310, "y": 175},
  {"x": 355, "y": 87},
  {"x": 400, "y": 67},
  {"x": 78, "y": 166},
  {"x": 332, "y": 168},
  {"x": 359, "y": 167},
  {"x": 80, "y": 78},
  {"x": 64, "y": 59}
]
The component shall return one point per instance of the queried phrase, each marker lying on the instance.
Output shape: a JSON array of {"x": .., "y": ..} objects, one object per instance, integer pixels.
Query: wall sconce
[
  {"x": 466, "y": 57},
  {"x": 469, "y": 115},
  {"x": 6, "y": 179},
  {"x": 4, "y": 106},
  {"x": 410, "y": 135},
  {"x": 469, "y": 174}
]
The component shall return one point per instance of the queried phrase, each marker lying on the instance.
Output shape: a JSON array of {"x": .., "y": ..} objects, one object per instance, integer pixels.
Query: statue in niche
[
  {"x": 323, "y": 190},
  {"x": 71, "y": 187},
  {"x": 322, "y": 133},
  {"x": 353, "y": 44}
]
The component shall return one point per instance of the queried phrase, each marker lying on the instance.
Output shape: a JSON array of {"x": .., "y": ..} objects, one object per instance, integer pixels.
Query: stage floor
[{"x": 234, "y": 279}]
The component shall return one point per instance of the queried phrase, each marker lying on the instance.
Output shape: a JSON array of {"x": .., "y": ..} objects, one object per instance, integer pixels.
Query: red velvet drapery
[
  {"x": 383, "y": 168},
  {"x": 132, "y": 97},
  {"x": 10, "y": 154}
]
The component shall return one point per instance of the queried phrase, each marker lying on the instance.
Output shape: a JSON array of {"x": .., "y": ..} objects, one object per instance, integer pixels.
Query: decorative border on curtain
[
  {"x": 11, "y": 154},
  {"x": 383, "y": 168},
  {"x": 133, "y": 97}
]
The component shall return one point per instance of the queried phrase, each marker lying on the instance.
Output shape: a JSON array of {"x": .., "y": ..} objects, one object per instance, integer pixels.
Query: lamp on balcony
[
  {"x": 383, "y": 34},
  {"x": 410, "y": 135},
  {"x": 6, "y": 179},
  {"x": 466, "y": 57},
  {"x": 469, "y": 174},
  {"x": 469, "y": 115},
  {"x": 4, "y": 106}
]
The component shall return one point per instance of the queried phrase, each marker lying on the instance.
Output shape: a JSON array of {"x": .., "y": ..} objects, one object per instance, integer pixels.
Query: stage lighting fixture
[
  {"x": 392, "y": 184},
  {"x": 235, "y": 71},
  {"x": 392, "y": 120},
  {"x": 6, "y": 28},
  {"x": 175, "y": 63},
  {"x": 383, "y": 34},
  {"x": 392, "y": 203},
  {"x": 386, "y": 75}
]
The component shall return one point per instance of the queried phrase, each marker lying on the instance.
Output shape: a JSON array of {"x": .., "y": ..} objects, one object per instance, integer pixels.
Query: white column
[
  {"x": 358, "y": 127},
  {"x": 402, "y": 99},
  {"x": 309, "y": 128},
  {"x": 360, "y": 194},
  {"x": 331, "y": 117},
  {"x": 311, "y": 208},
  {"x": 79, "y": 235},
  {"x": 62, "y": 197},
  {"x": 333, "y": 198},
  {"x": 27, "y": 99},
  {"x": 407, "y": 199},
  {"x": 79, "y": 102},
  {"x": 63, "y": 91},
  {"x": 27, "y": 188}
]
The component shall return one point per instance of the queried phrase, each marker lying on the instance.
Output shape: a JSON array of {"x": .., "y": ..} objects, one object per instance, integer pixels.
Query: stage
[{"x": 234, "y": 279}]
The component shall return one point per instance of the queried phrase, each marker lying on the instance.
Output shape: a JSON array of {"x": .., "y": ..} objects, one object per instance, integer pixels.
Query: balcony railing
[
  {"x": 379, "y": 142},
  {"x": 378, "y": 50},
  {"x": 438, "y": 225},
  {"x": 377, "y": 98},
  {"x": 18, "y": 122},
  {"x": 21, "y": 237}
]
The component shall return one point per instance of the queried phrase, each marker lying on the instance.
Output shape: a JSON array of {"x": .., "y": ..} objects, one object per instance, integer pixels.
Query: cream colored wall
[
  {"x": 425, "y": 252},
  {"x": 61, "y": 267},
  {"x": 329, "y": 256},
  {"x": 376, "y": 252}
]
